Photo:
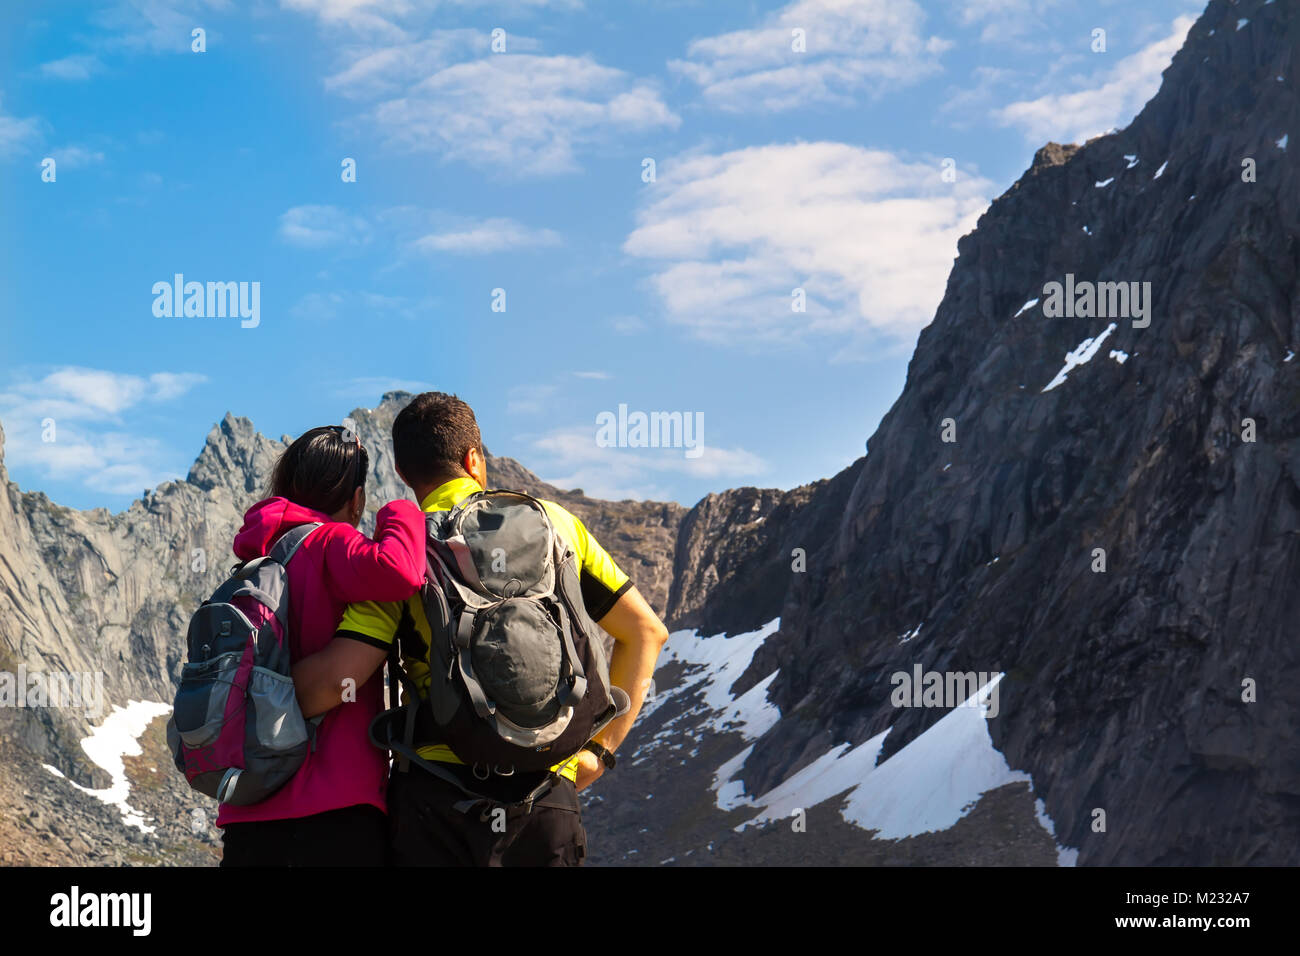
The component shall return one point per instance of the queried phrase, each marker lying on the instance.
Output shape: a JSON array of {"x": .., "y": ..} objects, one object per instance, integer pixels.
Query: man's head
[{"x": 436, "y": 439}]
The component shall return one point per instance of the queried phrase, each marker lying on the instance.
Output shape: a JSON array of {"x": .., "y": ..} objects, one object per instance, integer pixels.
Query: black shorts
[
  {"x": 352, "y": 836},
  {"x": 426, "y": 828}
]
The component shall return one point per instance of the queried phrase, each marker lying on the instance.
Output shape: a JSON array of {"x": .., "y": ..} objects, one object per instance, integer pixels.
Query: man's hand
[{"x": 590, "y": 767}]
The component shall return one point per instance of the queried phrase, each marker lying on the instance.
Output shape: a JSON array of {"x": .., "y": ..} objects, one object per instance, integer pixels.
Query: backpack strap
[
  {"x": 285, "y": 548},
  {"x": 290, "y": 542},
  {"x": 397, "y": 672},
  {"x": 408, "y": 754}
]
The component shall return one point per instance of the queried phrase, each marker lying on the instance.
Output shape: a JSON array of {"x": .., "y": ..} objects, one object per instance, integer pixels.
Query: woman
[{"x": 332, "y": 811}]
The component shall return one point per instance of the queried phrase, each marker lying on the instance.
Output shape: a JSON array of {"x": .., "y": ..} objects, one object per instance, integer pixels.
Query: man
[{"x": 439, "y": 454}]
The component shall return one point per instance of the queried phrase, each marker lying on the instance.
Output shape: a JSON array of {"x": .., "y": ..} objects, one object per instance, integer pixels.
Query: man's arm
[
  {"x": 358, "y": 649},
  {"x": 639, "y": 636},
  {"x": 318, "y": 678}
]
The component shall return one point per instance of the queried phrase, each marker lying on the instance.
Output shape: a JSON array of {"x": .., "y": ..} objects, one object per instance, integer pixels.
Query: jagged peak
[
  {"x": 1053, "y": 154},
  {"x": 235, "y": 456}
]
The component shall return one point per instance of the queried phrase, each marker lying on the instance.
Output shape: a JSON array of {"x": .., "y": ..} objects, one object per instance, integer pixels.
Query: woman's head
[{"x": 325, "y": 469}]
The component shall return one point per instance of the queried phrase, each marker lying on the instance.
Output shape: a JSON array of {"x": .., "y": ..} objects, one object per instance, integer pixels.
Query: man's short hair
[{"x": 431, "y": 437}]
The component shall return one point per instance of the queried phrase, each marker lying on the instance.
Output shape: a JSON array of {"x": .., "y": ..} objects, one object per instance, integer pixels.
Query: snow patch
[
  {"x": 1104, "y": 183},
  {"x": 1281, "y": 143},
  {"x": 1028, "y": 305},
  {"x": 1289, "y": 356},
  {"x": 712, "y": 665},
  {"x": 1119, "y": 355},
  {"x": 731, "y": 793},
  {"x": 718, "y": 663},
  {"x": 1087, "y": 230},
  {"x": 1161, "y": 171},
  {"x": 1132, "y": 161},
  {"x": 1082, "y": 355},
  {"x": 835, "y": 771},
  {"x": 117, "y": 737},
  {"x": 909, "y": 635},
  {"x": 927, "y": 786},
  {"x": 1242, "y": 22},
  {"x": 1064, "y": 855}
]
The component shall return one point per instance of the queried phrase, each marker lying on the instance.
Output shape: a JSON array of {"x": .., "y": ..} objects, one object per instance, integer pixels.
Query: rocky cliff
[{"x": 1175, "y": 451}]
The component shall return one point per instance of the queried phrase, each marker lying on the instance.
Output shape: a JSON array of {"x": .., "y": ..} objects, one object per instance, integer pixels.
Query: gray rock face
[{"x": 1124, "y": 688}]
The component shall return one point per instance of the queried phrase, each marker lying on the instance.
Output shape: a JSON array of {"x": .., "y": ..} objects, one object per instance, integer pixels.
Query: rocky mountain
[
  {"x": 1120, "y": 545},
  {"x": 1086, "y": 500}
]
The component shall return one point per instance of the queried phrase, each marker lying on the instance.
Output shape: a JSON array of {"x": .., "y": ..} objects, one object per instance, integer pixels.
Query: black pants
[
  {"x": 352, "y": 836},
  {"x": 426, "y": 829}
]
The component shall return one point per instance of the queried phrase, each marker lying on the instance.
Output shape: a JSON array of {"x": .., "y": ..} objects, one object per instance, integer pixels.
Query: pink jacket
[{"x": 336, "y": 566}]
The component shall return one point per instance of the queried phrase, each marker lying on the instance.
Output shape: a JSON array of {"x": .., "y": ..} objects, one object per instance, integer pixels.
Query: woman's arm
[{"x": 389, "y": 568}]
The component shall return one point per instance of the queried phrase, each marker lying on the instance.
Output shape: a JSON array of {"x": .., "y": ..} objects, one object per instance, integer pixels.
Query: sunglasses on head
[{"x": 344, "y": 432}]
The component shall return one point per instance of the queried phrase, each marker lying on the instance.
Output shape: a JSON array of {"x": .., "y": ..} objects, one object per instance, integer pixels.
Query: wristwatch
[{"x": 606, "y": 756}]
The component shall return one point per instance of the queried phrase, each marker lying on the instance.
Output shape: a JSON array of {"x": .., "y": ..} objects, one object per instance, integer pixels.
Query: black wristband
[{"x": 606, "y": 756}]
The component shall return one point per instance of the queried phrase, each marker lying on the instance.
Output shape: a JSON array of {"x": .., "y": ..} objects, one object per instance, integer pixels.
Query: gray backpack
[
  {"x": 236, "y": 731},
  {"x": 519, "y": 679}
]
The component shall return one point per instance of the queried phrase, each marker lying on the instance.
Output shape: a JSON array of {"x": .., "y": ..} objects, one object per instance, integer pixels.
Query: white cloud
[
  {"x": 116, "y": 462},
  {"x": 387, "y": 70},
  {"x": 86, "y": 393},
  {"x": 869, "y": 236},
  {"x": 318, "y": 305},
  {"x": 523, "y": 113},
  {"x": 76, "y": 157},
  {"x": 1122, "y": 92},
  {"x": 372, "y": 389},
  {"x": 383, "y": 17},
  {"x": 487, "y": 235},
  {"x": 851, "y": 47},
  {"x": 314, "y": 227},
  {"x": 529, "y": 399},
  {"x": 1004, "y": 21},
  {"x": 359, "y": 307},
  {"x": 16, "y": 133},
  {"x": 159, "y": 26},
  {"x": 169, "y": 385},
  {"x": 570, "y": 458},
  {"x": 81, "y": 66},
  {"x": 598, "y": 376},
  {"x": 628, "y": 324}
]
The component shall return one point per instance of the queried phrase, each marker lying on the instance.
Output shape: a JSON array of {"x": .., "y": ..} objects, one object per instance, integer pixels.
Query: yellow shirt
[{"x": 377, "y": 623}]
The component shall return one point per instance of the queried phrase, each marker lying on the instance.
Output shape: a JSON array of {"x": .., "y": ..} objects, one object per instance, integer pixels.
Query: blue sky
[{"x": 520, "y": 169}]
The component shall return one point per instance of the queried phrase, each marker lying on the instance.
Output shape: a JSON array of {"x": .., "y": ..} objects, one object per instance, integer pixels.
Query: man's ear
[{"x": 475, "y": 466}]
